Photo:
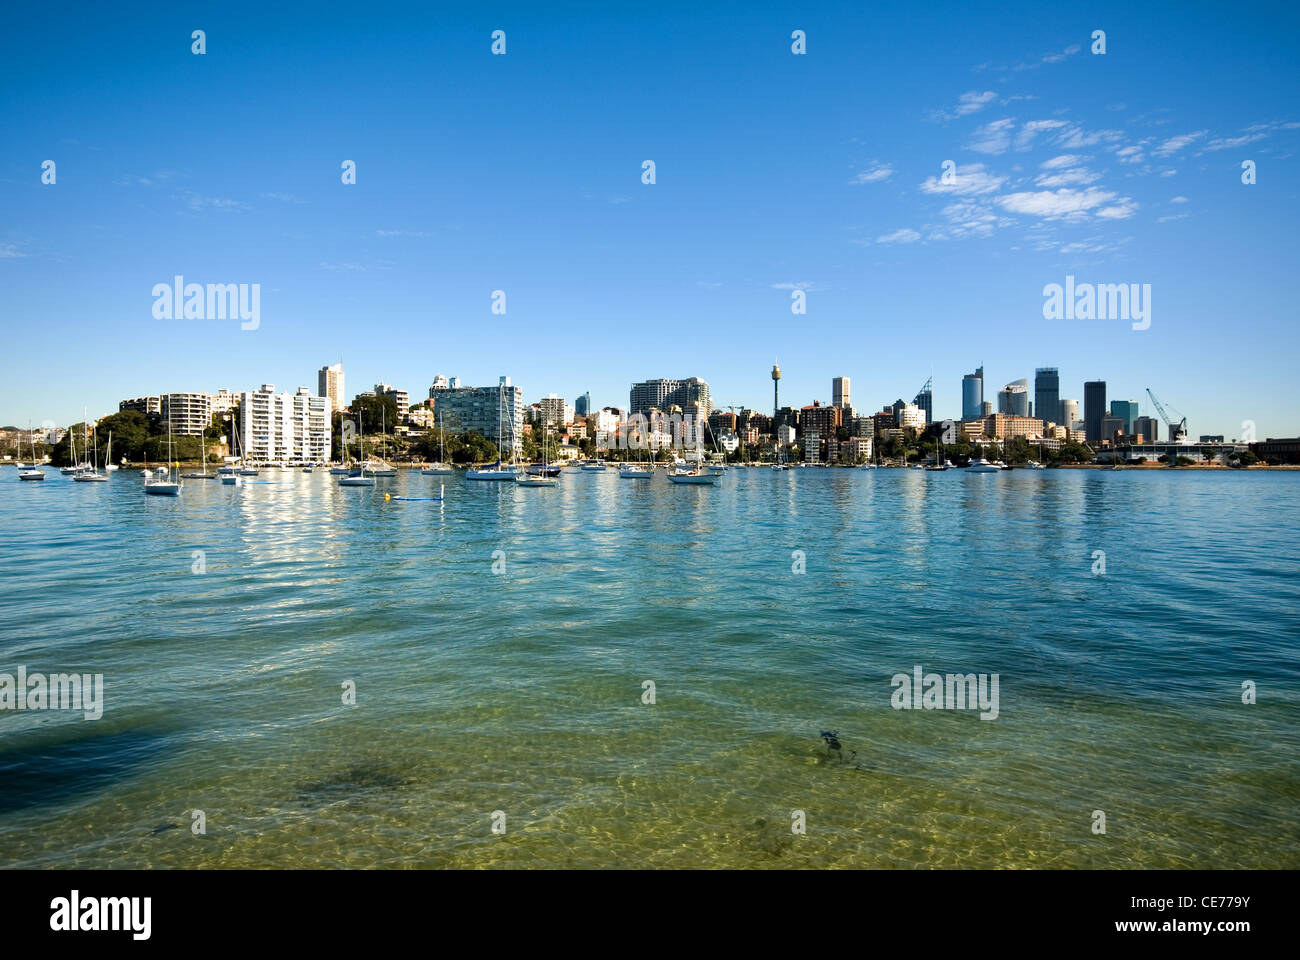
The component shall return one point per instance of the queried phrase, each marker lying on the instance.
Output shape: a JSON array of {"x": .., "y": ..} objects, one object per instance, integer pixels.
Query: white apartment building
[
  {"x": 188, "y": 413},
  {"x": 284, "y": 426},
  {"x": 911, "y": 416}
]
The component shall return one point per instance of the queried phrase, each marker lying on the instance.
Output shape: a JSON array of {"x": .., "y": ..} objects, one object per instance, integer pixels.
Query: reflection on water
[{"x": 521, "y": 690}]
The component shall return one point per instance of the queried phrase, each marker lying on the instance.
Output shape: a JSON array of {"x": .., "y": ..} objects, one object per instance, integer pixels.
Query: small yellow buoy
[{"x": 387, "y": 497}]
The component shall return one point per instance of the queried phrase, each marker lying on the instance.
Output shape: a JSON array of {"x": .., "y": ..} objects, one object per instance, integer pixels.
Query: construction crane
[{"x": 1177, "y": 431}]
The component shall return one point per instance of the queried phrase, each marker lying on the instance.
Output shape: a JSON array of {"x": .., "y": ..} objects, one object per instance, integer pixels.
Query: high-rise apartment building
[
  {"x": 329, "y": 383},
  {"x": 582, "y": 406},
  {"x": 554, "y": 410},
  {"x": 1069, "y": 413},
  {"x": 1047, "y": 394},
  {"x": 840, "y": 392},
  {"x": 972, "y": 394},
  {"x": 188, "y": 413},
  {"x": 1149, "y": 427},
  {"x": 691, "y": 394},
  {"x": 285, "y": 426},
  {"x": 1094, "y": 409},
  {"x": 399, "y": 397},
  {"x": 481, "y": 408}
]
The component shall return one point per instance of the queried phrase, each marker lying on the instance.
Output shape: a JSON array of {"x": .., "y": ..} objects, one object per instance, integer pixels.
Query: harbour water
[{"x": 520, "y": 689}]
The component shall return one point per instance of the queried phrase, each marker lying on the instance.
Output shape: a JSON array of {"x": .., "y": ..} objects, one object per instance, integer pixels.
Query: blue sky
[{"x": 523, "y": 173}]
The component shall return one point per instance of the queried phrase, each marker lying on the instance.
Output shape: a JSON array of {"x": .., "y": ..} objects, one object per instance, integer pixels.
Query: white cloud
[
  {"x": 969, "y": 180},
  {"x": 10, "y": 251},
  {"x": 993, "y": 137},
  {"x": 874, "y": 174},
  {"x": 1025, "y": 138},
  {"x": 1064, "y": 160},
  {"x": 972, "y": 101},
  {"x": 1067, "y": 203},
  {"x": 1234, "y": 142},
  {"x": 801, "y": 285},
  {"x": 1075, "y": 137},
  {"x": 903, "y": 235},
  {"x": 1174, "y": 144},
  {"x": 1132, "y": 154},
  {"x": 1080, "y": 176},
  {"x": 1178, "y": 200}
]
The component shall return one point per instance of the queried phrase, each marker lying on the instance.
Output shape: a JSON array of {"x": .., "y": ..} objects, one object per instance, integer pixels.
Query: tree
[{"x": 377, "y": 413}]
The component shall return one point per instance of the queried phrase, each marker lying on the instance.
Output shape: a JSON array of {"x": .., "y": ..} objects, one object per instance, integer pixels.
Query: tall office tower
[
  {"x": 925, "y": 401},
  {"x": 1149, "y": 427},
  {"x": 1126, "y": 410},
  {"x": 1047, "y": 394},
  {"x": 840, "y": 392},
  {"x": 1013, "y": 399},
  {"x": 582, "y": 406},
  {"x": 329, "y": 383},
  {"x": 1069, "y": 413},
  {"x": 986, "y": 408},
  {"x": 972, "y": 395},
  {"x": 1094, "y": 409}
]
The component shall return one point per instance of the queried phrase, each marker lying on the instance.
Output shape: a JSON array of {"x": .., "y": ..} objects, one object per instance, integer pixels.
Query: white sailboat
[
  {"x": 93, "y": 475},
  {"x": 203, "y": 455},
  {"x": 498, "y": 472},
  {"x": 697, "y": 474},
  {"x": 542, "y": 479},
  {"x": 33, "y": 472},
  {"x": 440, "y": 468},
  {"x": 166, "y": 487},
  {"x": 363, "y": 476}
]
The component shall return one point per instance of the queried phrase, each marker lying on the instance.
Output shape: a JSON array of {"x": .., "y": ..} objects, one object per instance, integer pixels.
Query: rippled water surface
[{"x": 521, "y": 691}]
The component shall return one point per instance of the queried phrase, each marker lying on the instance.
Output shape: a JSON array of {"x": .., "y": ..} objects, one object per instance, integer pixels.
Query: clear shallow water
[{"x": 521, "y": 692}]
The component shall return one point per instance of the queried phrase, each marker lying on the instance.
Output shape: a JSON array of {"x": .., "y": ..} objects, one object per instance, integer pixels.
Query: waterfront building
[
  {"x": 399, "y": 397},
  {"x": 285, "y": 426},
  {"x": 478, "y": 408},
  {"x": 555, "y": 411},
  {"x": 582, "y": 406},
  {"x": 1002, "y": 426},
  {"x": 330, "y": 383},
  {"x": 188, "y": 413},
  {"x": 145, "y": 405},
  {"x": 1094, "y": 409}
]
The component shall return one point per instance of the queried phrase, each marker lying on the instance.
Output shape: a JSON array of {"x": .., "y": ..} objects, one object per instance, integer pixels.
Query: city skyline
[{"x": 1115, "y": 168}]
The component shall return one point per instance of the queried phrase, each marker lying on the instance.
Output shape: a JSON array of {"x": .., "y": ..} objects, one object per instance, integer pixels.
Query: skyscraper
[
  {"x": 776, "y": 391},
  {"x": 329, "y": 383},
  {"x": 1094, "y": 409},
  {"x": 1126, "y": 410},
  {"x": 840, "y": 392},
  {"x": 925, "y": 400},
  {"x": 1047, "y": 394},
  {"x": 1069, "y": 413},
  {"x": 1014, "y": 398},
  {"x": 582, "y": 406},
  {"x": 972, "y": 394}
]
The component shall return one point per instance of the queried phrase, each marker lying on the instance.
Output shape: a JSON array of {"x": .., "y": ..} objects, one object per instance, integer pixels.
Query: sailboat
[
  {"x": 379, "y": 467},
  {"x": 203, "y": 447},
  {"x": 33, "y": 472},
  {"x": 165, "y": 487},
  {"x": 497, "y": 472},
  {"x": 543, "y": 479},
  {"x": 697, "y": 474},
  {"x": 76, "y": 467},
  {"x": 440, "y": 468},
  {"x": 363, "y": 476},
  {"x": 93, "y": 475}
]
